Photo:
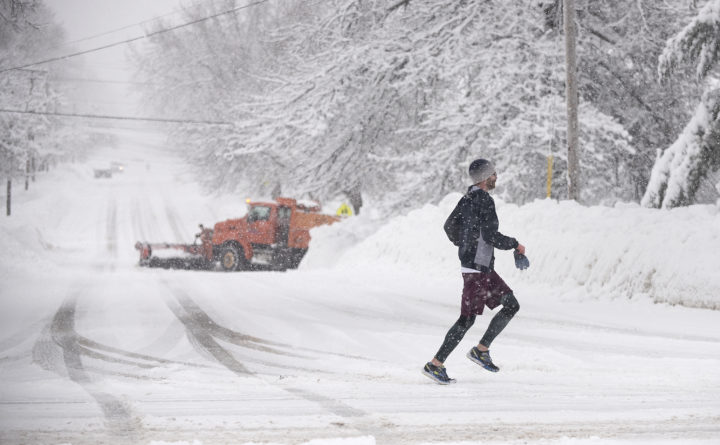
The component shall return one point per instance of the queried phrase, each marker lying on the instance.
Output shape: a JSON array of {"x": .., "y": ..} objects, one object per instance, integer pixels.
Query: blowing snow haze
[{"x": 365, "y": 116}]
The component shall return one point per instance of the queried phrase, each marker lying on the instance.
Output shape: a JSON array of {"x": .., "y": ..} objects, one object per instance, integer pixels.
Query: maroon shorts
[{"x": 480, "y": 290}]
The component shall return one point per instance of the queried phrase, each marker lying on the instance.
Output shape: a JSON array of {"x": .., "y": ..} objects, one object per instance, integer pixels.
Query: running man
[{"x": 473, "y": 227}]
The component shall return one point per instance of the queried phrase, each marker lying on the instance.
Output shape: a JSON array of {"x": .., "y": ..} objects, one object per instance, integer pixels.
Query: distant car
[
  {"x": 103, "y": 173},
  {"x": 117, "y": 167}
]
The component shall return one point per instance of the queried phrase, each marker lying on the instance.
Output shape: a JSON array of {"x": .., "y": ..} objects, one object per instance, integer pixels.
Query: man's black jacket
[{"x": 473, "y": 227}]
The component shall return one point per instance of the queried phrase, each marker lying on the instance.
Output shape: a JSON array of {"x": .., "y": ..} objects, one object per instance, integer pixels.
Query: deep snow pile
[{"x": 670, "y": 256}]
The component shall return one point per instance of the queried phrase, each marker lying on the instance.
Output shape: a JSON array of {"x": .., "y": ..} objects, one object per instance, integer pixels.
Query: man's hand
[
  {"x": 521, "y": 261},
  {"x": 520, "y": 249}
]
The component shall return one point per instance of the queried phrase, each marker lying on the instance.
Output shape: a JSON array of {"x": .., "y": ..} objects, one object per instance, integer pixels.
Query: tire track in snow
[
  {"x": 174, "y": 225},
  {"x": 137, "y": 222},
  {"x": 60, "y": 349},
  {"x": 149, "y": 221},
  {"x": 662, "y": 429},
  {"x": 108, "y": 253},
  {"x": 111, "y": 232},
  {"x": 91, "y": 348},
  {"x": 204, "y": 332}
]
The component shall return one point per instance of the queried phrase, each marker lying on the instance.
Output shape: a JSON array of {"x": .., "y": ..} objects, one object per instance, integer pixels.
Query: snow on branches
[
  {"x": 27, "y": 32},
  {"x": 680, "y": 171},
  {"x": 698, "y": 42},
  {"x": 342, "y": 95}
]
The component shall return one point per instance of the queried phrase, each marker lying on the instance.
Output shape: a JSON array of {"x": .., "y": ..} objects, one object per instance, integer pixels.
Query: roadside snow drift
[{"x": 628, "y": 251}]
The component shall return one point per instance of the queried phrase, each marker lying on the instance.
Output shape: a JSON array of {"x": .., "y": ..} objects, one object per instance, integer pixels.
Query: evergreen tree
[
  {"x": 619, "y": 45},
  {"x": 680, "y": 171}
]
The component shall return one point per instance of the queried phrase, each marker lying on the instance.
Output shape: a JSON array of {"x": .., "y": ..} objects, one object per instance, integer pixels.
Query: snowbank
[
  {"x": 670, "y": 256},
  {"x": 364, "y": 440}
]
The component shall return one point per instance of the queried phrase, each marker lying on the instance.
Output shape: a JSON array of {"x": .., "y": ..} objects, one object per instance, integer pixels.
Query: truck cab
[{"x": 275, "y": 234}]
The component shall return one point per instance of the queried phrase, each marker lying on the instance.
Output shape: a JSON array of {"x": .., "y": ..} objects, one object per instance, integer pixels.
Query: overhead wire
[
  {"x": 151, "y": 34},
  {"x": 87, "y": 80},
  {"x": 126, "y": 118},
  {"x": 94, "y": 36}
]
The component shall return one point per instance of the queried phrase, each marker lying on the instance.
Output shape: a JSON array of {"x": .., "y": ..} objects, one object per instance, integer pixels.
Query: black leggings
[{"x": 497, "y": 324}]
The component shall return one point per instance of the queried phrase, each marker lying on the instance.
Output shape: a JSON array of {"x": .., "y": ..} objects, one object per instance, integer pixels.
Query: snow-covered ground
[{"x": 94, "y": 349}]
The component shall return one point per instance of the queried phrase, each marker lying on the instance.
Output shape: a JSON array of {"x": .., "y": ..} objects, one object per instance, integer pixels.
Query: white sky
[{"x": 86, "y": 18}]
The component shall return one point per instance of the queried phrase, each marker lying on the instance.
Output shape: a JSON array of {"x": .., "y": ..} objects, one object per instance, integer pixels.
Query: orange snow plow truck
[{"x": 273, "y": 235}]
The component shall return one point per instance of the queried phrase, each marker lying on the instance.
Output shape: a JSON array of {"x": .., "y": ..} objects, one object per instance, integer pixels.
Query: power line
[
  {"x": 125, "y": 118},
  {"x": 154, "y": 33},
  {"x": 127, "y": 26},
  {"x": 86, "y": 80}
]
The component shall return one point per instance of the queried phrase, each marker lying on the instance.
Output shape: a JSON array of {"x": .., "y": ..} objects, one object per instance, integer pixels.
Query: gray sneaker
[
  {"x": 437, "y": 373},
  {"x": 482, "y": 358}
]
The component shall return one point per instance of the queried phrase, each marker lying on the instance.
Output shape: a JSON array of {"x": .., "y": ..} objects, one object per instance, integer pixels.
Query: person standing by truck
[{"x": 473, "y": 227}]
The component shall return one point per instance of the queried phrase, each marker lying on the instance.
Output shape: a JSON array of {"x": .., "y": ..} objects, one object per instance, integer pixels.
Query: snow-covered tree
[
  {"x": 619, "y": 45},
  {"x": 27, "y": 32},
  {"x": 681, "y": 169},
  {"x": 334, "y": 96}
]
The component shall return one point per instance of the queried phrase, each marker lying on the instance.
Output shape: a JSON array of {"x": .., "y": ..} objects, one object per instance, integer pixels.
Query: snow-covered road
[{"x": 94, "y": 349}]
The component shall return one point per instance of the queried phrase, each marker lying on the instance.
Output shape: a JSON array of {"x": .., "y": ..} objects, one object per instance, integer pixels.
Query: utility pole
[
  {"x": 8, "y": 202},
  {"x": 571, "y": 95},
  {"x": 30, "y": 136}
]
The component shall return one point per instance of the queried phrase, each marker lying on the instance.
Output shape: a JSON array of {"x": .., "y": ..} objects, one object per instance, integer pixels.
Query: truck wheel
[
  {"x": 232, "y": 258},
  {"x": 295, "y": 258},
  {"x": 281, "y": 259}
]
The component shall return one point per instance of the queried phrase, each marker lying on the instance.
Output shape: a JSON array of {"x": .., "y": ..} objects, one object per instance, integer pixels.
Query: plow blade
[{"x": 173, "y": 256}]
